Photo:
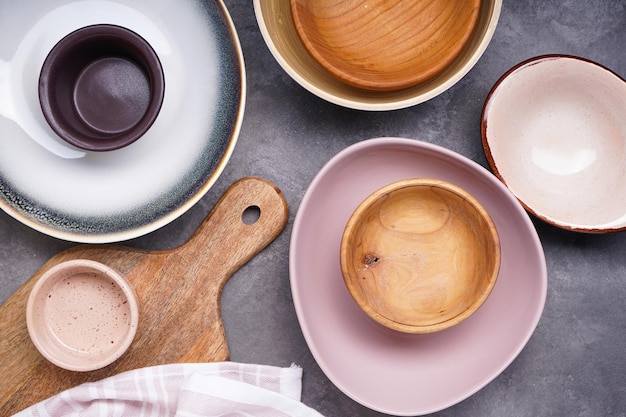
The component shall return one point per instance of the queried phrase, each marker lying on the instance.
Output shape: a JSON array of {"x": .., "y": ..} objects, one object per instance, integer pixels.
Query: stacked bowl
[{"x": 376, "y": 55}]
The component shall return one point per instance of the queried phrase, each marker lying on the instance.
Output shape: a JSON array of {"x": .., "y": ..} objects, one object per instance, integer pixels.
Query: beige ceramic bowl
[
  {"x": 420, "y": 255},
  {"x": 311, "y": 53},
  {"x": 554, "y": 131},
  {"x": 82, "y": 315}
]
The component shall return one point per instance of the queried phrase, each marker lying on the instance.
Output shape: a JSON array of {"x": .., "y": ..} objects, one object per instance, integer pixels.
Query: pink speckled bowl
[
  {"x": 553, "y": 131},
  {"x": 82, "y": 315}
]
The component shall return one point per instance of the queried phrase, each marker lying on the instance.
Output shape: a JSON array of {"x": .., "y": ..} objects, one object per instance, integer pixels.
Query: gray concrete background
[{"x": 575, "y": 363}]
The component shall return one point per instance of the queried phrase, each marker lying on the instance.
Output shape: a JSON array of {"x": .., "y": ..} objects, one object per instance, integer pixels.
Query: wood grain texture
[
  {"x": 420, "y": 255},
  {"x": 178, "y": 291},
  {"x": 384, "y": 44}
]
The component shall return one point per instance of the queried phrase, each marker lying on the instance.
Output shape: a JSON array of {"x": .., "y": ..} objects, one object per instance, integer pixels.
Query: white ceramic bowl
[
  {"x": 279, "y": 32},
  {"x": 102, "y": 197},
  {"x": 554, "y": 131}
]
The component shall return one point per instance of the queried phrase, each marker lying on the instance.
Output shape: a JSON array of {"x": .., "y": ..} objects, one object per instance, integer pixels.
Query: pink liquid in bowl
[
  {"x": 87, "y": 312},
  {"x": 82, "y": 315}
]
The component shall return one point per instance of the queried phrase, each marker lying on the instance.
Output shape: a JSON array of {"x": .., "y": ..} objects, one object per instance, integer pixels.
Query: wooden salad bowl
[
  {"x": 383, "y": 57},
  {"x": 420, "y": 255},
  {"x": 381, "y": 44}
]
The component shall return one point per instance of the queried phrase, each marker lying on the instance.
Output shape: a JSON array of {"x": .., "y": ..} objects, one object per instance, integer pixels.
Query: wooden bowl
[
  {"x": 420, "y": 255},
  {"x": 374, "y": 44},
  {"x": 279, "y": 31}
]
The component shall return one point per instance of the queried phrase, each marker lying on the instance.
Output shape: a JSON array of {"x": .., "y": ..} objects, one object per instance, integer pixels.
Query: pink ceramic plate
[{"x": 392, "y": 372}]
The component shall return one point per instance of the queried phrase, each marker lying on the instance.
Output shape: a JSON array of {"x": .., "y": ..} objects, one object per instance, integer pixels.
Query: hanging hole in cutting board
[{"x": 251, "y": 215}]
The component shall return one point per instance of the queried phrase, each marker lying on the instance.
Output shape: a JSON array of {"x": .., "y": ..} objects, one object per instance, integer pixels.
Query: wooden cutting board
[{"x": 178, "y": 291}]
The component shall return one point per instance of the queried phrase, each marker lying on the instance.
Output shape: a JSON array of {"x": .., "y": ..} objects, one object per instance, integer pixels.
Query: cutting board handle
[{"x": 227, "y": 230}]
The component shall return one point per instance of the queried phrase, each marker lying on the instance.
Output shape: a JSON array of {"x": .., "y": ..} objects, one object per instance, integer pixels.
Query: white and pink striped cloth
[{"x": 184, "y": 390}]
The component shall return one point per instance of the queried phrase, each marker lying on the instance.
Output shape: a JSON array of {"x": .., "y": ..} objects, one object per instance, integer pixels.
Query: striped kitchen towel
[{"x": 184, "y": 390}]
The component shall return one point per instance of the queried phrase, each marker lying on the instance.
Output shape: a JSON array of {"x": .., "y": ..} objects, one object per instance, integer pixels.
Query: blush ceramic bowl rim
[
  {"x": 495, "y": 164},
  {"x": 274, "y": 17},
  {"x": 471, "y": 204},
  {"x": 70, "y": 360}
]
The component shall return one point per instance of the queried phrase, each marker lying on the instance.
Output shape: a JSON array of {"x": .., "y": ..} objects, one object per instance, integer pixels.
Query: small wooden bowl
[
  {"x": 382, "y": 46},
  {"x": 420, "y": 255}
]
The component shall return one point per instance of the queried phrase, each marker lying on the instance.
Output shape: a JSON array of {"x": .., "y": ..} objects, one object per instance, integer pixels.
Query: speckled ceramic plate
[
  {"x": 121, "y": 194},
  {"x": 393, "y": 372}
]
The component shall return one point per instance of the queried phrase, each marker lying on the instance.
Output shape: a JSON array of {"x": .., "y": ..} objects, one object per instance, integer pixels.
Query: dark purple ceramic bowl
[{"x": 101, "y": 87}]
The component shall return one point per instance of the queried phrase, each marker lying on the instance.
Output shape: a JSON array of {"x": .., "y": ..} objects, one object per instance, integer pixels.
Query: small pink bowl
[{"x": 82, "y": 315}]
